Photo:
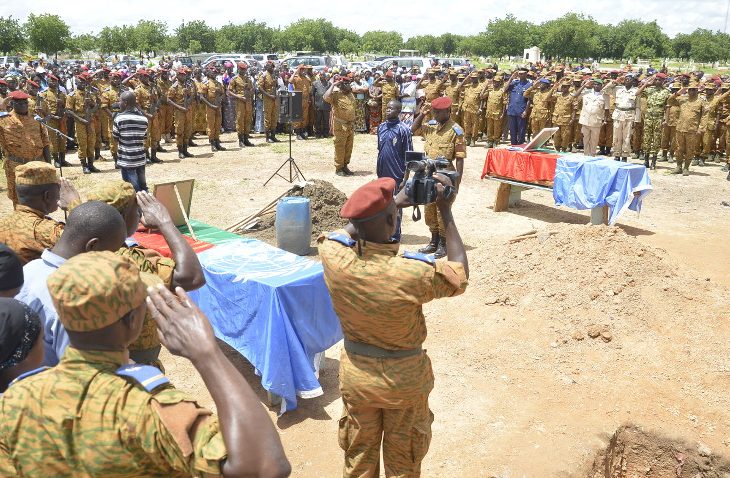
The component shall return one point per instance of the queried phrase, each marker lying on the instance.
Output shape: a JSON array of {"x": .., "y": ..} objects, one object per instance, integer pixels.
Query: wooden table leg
[{"x": 501, "y": 201}]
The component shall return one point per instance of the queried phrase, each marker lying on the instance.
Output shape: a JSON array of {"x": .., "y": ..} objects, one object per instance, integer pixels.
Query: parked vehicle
[
  {"x": 10, "y": 60},
  {"x": 318, "y": 62},
  {"x": 421, "y": 62},
  {"x": 264, "y": 57}
]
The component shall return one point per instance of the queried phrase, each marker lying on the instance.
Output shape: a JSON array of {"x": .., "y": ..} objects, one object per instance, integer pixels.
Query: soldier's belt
[
  {"x": 342, "y": 121},
  {"x": 625, "y": 109},
  {"x": 373, "y": 351}
]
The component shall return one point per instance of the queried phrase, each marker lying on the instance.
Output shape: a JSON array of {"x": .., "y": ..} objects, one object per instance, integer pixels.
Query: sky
[{"x": 408, "y": 17}]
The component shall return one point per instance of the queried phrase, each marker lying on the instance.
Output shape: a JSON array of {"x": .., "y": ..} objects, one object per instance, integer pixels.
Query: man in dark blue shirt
[
  {"x": 517, "y": 105},
  {"x": 394, "y": 139}
]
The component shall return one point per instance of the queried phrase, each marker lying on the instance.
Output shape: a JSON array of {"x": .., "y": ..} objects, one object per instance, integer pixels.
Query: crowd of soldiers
[{"x": 653, "y": 115}]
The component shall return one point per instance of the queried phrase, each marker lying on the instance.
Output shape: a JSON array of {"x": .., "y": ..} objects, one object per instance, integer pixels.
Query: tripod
[{"x": 294, "y": 171}]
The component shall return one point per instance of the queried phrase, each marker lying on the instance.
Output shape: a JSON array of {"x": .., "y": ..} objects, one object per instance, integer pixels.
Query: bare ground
[{"x": 542, "y": 359}]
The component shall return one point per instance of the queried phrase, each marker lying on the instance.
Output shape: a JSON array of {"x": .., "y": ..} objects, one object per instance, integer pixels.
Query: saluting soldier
[
  {"x": 655, "y": 115},
  {"x": 385, "y": 375},
  {"x": 302, "y": 83},
  {"x": 563, "y": 115},
  {"x": 669, "y": 133},
  {"x": 689, "y": 125},
  {"x": 134, "y": 422},
  {"x": 540, "y": 95},
  {"x": 496, "y": 106},
  {"x": 28, "y": 229},
  {"x": 710, "y": 121},
  {"x": 343, "y": 102},
  {"x": 241, "y": 88},
  {"x": 267, "y": 86},
  {"x": 22, "y": 139},
  {"x": 179, "y": 97},
  {"x": 444, "y": 139},
  {"x": 389, "y": 88},
  {"x": 471, "y": 100}
]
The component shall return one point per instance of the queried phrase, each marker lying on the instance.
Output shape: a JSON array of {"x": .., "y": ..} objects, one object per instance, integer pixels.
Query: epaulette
[
  {"x": 147, "y": 376},
  {"x": 3, "y": 114},
  {"x": 458, "y": 130},
  {"x": 28, "y": 374},
  {"x": 342, "y": 239},
  {"x": 433, "y": 122},
  {"x": 427, "y": 258}
]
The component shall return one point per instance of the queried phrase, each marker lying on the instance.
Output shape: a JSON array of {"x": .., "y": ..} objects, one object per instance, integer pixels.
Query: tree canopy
[{"x": 572, "y": 36}]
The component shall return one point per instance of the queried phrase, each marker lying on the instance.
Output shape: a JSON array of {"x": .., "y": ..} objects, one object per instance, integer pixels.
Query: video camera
[{"x": 421, "y": 188}]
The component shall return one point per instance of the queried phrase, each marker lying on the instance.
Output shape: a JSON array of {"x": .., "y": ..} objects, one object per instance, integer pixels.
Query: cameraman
[
  {"x": 385, "y": 375},
  {"x": 444, "y": 138}
]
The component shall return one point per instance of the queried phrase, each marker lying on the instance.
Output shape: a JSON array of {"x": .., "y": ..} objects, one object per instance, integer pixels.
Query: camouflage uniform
[
  {"x": 110, "y": 96},
  {"x": 496, "y": 104},
  {"x": 688, "y": 125},
  {"x": 177, "y": 94},
  {"x": 302, "y": 83},
  {"x": 85, "y": 133},
  {"x": 470, "y": 109},
  {"x": 385, "y": 399},
  {"x": 267, "y": 82},
  {"x": 22, "y": 139},
  {"x": 669, "y": 138},
  {"x": 562, "y": 118},
  {"x": 390, "y": 92},
  {"x": 51, "y": 99},
  {"x": 446, "y": 141},
  {"x": 26, "y": 230},
  {"x": 118, "y": 194},
  {"x": 540, "y": 110},
  {"x": 656, "y": 102},
  {"x": 242, "y": 85},
  {"x": 343, "y": 125},
  {"x": 213, "y": 91},
  {"x": 92, "y": 415}
]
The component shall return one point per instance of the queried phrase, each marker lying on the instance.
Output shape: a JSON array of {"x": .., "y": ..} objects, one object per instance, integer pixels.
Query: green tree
[
  {"x": 379, "y": 41},
  {"x": 83, "y": 42},
  {"x": 12, "y": 38},
  {"x": 682, "y": 44},
  {"x": 249, "y": 37},
  {"x": 116, "y": 39},
  {"x": 197, "y": 31},
  {"x": 347, "y": 47},
  {"x": 570, "y": 36},
  {"x": 47, "y": 33},
  {"x": 149, "y": 36},
  {"x": 311, "y": 35},
  {"x": 507, "y": 36},
  {"x": 705, "y": 47},
  {"x": 424, "y": 44},
  {"x": 449, "y": 43}
]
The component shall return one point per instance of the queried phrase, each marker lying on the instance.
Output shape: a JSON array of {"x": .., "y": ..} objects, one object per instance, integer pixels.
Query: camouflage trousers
[
  {"x": 471, "y": 125},
  {"x": 244, "y": 116},
  {"x": 433, "y": 218},
  {"x": 494, "y": 128},
  {"x": 405, "y": 434},
  {"x": 652, "y": 136},
  {"x": 213, "y": 120},
  {"x": 344, "y": 138},
  {"x": 686, "y": 147}
]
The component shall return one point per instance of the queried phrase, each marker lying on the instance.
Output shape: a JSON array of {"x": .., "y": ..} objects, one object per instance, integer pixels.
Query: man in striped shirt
[{"x": 130, "y": 130}]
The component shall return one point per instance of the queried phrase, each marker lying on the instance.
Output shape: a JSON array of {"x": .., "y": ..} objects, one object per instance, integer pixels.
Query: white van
[{"x": 409, "y": 62}]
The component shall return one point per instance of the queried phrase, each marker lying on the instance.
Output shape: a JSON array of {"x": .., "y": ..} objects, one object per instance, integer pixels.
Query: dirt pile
[
  {"x": 634, "y": 452},
  {"x": 325, "y": 202},
  {"x": 587, "y": 278}
]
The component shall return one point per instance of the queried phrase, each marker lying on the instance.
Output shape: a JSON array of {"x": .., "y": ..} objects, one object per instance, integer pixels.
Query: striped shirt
[{"x": 130, "y": 130}]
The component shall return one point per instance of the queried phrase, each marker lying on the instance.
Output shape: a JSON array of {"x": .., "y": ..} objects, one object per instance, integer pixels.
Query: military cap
[
  {"x": 545, "y": 80},
  {"x": 94, "y": 290},
  {"x": 117, "y": 194},
  {"x": 35, "y": 173},
  {"x": 3, "y": 82},
  {"x": 598, "y": 81},
  {"x": 369, "y": 200},
  {"x": 310, "y": 67},
  {"x": 242, "y": 65},
  {"x": 85, "y": 76},
  {"x": 31, "y": 82},
  {"x": 181, "y": 71},
  {"x": 441, "y": 103},
  {"x": 523, "y": 68},
  {"x": 143, "y": 72},
  {"x": 462, "y": 76},
  {"x": 52, "y": 76},
  {"x": 693, "y": 85},
  {"x": 18, "y": 95},
  {"x": 662, "y": 76},
  {"x": 473, "y": 74},
  {"x": 452, "y": 71}
]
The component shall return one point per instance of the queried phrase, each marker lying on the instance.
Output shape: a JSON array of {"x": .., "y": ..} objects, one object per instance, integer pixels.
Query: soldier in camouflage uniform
[
  {"x": 54, "y": 103},
  {"x": 444, "y": 138},
  {"x": 385, "y": 375},
  {"x": 689, "y": 124},
  {"x": 29, "y": 230},
  {"x": 182, "y": 270},
  {"x": 22, "y": 139},
  {"x": 134, "y": 422},
  {"x": 241, "y": 89},
  {"x": 654, "y": 117}
]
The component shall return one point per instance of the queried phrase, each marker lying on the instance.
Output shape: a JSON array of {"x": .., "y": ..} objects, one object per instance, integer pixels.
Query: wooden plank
[{"x": 501, "y": 201}]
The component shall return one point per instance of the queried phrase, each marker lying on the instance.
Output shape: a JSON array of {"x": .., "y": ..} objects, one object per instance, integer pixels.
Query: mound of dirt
[
  {"x": 634, "y": 452},
  {"x": 325, "y": 202},
  {"x": 589, "y": 278}
]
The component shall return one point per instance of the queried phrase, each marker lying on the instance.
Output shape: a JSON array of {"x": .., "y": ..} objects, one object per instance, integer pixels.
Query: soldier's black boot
[
  {"x": 62, "y": 160},
  {"x": 153, "y": 157},
  {"x": 180, "y": 153},
  {"x": 190, "y": 142},
  {"x": 431, "y": 246},
  {"x": 269, "y": 134},
  {"x": 219, "y": 146},
  {"x": 85, "y": 166},
  {"x": 441, "y": 249},
  {"x": 240, "y": 140},
  {"x": 187, "y": 153},
  {"x": 212, "y": 145},
  {"x": 97, "y": 153},
  {"x": 246, "y": 142},
  {"x": 274, "y": 138},
  {"x": 646, "y": 161},
  {"x": 56, "y": 163},
  {"x": 653, "y": 162},
  {"x": 91, "y": 167},
  {"x": 160, "y": 149}
]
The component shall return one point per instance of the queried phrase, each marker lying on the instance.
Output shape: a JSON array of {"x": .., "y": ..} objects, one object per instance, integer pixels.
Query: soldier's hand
[
  {"x": 181, "y": 326},
  {"x": 68, "y": 194},
  {"x": 154, "y": 214},
  {"x": 425, "y": 109},
  {"x": 443, "y": 181}
]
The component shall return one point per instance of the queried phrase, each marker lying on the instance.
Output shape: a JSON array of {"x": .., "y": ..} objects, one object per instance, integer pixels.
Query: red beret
[
  {"x": 369, "y": 199},
  {"x": 31, "y": 82},
  {"x": 143, "y": 72},
  {"x": 84, "y": 76},
  {"x": 441, "y": 103},
  {"x": 84, "y": 67},
  {"x": 242, "y": 65},
  {"x": 3, "y": 82},
  {"x": 661, "y": 75},
  {"x": 182, "y": 71},
  {"x": 51, "y": 75},
  {"x": 19, "y": 95},
  {"x": 389, "y": 74},
  {"x": 116, "y": 73},
  {"x": 270, "y": 62}
]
